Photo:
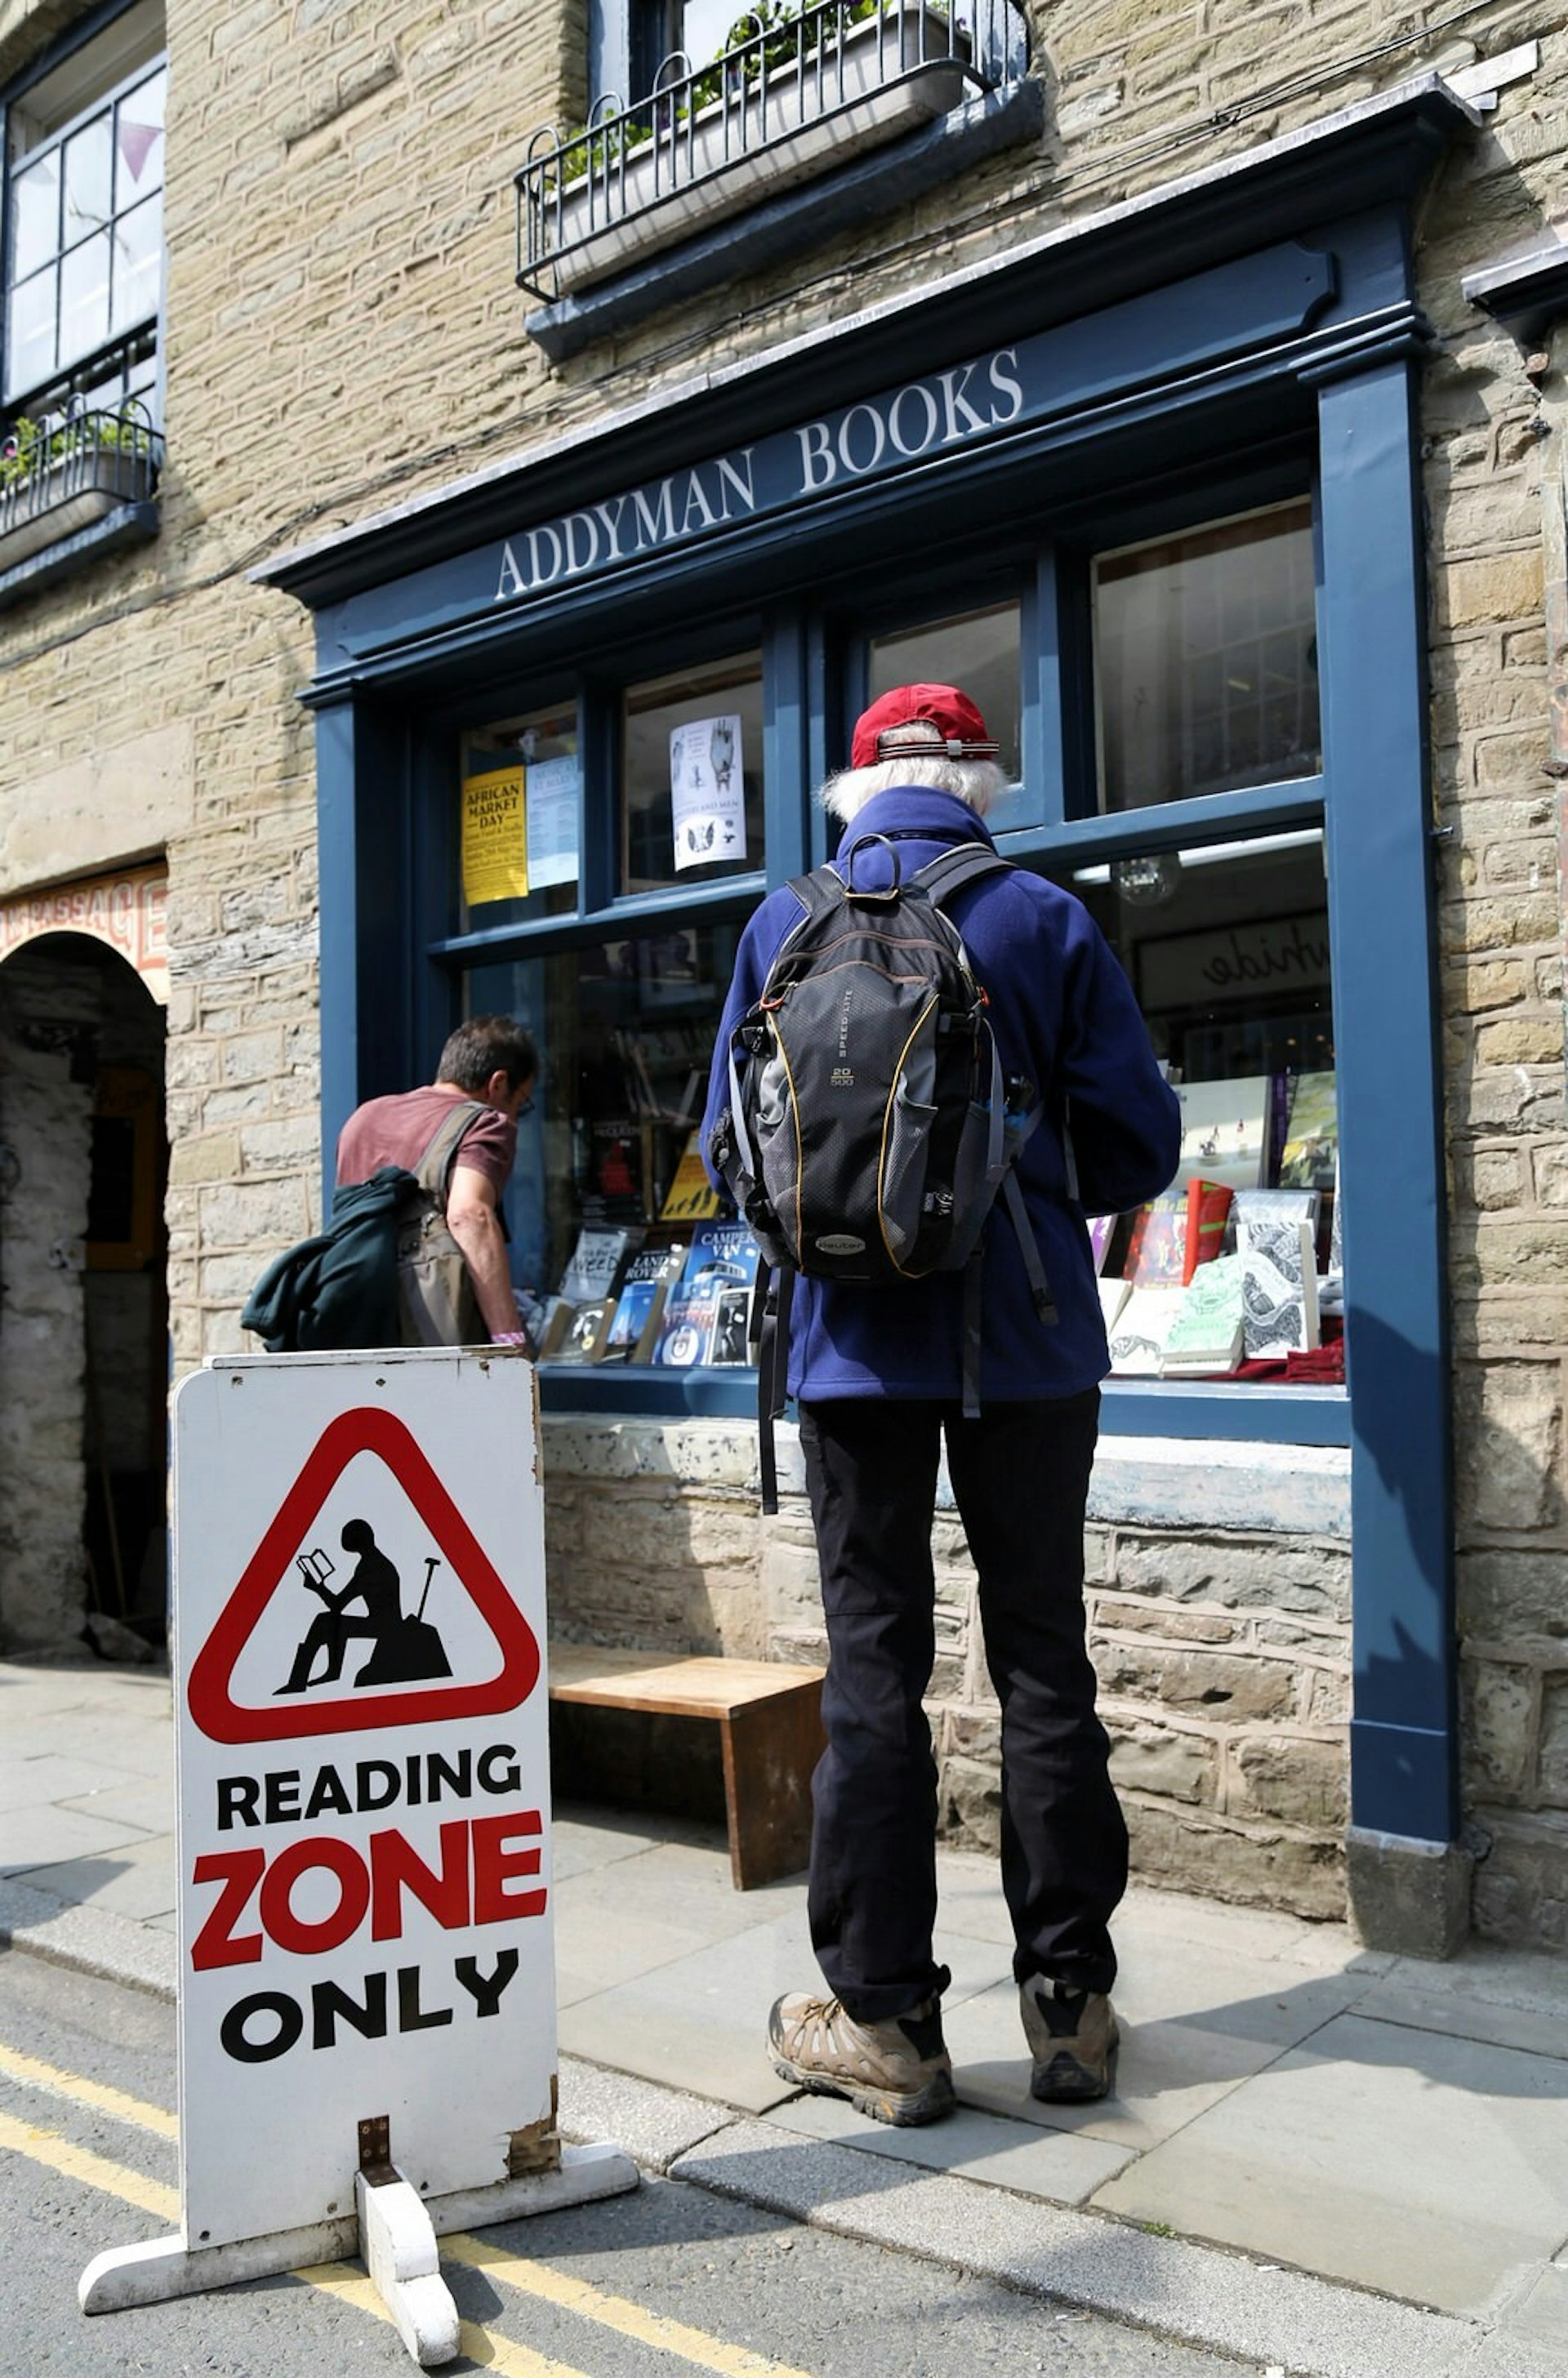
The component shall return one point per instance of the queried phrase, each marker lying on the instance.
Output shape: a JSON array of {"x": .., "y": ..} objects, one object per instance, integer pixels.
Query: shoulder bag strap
[{"x": 434, "y": 1167}]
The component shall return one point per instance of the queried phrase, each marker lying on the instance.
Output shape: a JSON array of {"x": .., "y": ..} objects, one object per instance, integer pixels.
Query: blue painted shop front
[{"x": 993, "y": 459}]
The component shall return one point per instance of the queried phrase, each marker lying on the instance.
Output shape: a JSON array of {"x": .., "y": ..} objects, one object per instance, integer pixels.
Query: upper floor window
[{"x": 84, "y": 207}]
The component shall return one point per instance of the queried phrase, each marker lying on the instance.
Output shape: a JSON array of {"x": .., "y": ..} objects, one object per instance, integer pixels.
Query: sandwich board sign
[{"x": 366, "y": 1993}]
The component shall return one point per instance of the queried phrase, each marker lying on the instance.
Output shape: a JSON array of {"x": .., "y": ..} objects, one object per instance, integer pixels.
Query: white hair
[{"x": 974, "y": 782}]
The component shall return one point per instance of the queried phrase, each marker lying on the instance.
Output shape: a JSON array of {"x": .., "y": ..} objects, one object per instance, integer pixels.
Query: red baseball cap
[{"x": 933, "y": 722}]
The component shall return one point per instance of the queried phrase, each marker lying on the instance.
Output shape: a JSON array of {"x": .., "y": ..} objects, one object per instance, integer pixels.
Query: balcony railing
[
  {"x": 64, "y": 471},
  {"x": 795, "y": 96}
]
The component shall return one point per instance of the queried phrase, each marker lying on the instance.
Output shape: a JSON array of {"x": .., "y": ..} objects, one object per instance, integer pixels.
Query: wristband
[{"x": 510, "y": 1337}]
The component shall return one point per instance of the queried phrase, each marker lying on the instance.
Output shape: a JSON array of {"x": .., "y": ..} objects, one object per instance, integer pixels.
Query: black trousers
[{"x": 1021, "y": 1478}]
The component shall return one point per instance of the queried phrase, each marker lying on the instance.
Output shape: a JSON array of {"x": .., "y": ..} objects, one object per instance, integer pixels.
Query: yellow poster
[
  {"x": 495, "y": 836},
  {"x": 690, "y": 1196}
]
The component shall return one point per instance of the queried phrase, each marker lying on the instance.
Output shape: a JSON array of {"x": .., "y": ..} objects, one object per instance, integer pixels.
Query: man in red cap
[{"x": 877, "y": 1376}]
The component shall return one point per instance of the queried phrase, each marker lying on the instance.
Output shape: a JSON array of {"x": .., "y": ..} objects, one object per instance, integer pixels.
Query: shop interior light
[{"x": 1207, "y": 854}]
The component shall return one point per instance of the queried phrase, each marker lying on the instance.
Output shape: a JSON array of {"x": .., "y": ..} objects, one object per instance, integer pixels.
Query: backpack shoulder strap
[
  {"x": 817, "y": 893},
  {"x": 434, "y": 1167},
  {"x": 965, "y": 863}
]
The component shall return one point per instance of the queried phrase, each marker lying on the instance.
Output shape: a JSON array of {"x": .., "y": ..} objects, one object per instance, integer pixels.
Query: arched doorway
[{"x": 84, "y": 1316}]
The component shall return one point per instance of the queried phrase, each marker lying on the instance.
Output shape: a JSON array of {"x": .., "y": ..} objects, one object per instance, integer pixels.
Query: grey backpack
[
  {"x": 869, "y": 1130},
  {"x": 436, "y": 1305}
]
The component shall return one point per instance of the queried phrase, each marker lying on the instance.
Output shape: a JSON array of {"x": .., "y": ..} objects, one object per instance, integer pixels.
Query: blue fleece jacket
[{"x": 1063, "y": 1015}]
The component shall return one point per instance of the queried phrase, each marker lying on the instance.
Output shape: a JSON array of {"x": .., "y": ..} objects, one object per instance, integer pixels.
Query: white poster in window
[
  {"x": 553, "y": 788},
  {"x": 708, "y": 791}
]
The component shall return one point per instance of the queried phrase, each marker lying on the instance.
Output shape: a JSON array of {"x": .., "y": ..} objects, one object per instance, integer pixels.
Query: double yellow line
[{"x": 483, "y": 2348}]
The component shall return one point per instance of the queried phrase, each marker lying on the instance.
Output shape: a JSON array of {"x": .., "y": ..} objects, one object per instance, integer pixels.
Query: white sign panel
[
  {"x": 363, "y": 1779},
  {"x": 708, "y": 791},
  {"x": 554, "y": 790}
]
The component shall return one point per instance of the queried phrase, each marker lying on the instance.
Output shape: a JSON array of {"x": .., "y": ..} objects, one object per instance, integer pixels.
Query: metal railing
[
  {"x": 828, "y": 64},
  {"x": 49, "y": 462}
]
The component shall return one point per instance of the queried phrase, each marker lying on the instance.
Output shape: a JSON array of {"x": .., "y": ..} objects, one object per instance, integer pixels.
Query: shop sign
[
  {"x": 363, "y": 1779},
  {"x": 129, "y": 911},
  {"x": 1053, "y": 374}
]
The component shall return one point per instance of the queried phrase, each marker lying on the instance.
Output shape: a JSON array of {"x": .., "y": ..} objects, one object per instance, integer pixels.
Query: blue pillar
[
  {"x": 1403, "y": 1763},
  {"x": 366, "y": 944}
]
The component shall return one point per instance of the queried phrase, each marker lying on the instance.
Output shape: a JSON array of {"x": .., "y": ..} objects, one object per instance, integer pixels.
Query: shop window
[
  {"x": 692, "y": 776},
  {"x": 519, "y": 805},
  {"x": 1228, "y": 948},
  {"x": 1206, "y": 660},
  {"x": 608, "y": 1169}
]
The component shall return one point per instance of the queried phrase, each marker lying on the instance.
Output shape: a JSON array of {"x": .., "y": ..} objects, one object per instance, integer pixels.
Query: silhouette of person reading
[{"x": 403, "y": 1648}]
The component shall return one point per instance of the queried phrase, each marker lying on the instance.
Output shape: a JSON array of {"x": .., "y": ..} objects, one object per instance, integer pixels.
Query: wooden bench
[{"x": 770, "y": 1721}]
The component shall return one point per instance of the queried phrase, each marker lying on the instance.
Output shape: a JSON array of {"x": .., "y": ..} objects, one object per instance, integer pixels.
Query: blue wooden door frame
[{"x": 1404, "y": 1766}]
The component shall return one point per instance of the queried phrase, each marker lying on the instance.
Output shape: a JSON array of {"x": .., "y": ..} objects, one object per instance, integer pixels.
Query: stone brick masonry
[{"x": 343, "y": 332}]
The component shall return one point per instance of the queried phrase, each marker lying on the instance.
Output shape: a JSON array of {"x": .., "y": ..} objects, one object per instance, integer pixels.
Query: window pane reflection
[
  {"x": 36, "y": 219},
  {"x": 626, "y": 1030},
  {"x": 1206, "y": 661},
  {"x": 979, "y": 650}
]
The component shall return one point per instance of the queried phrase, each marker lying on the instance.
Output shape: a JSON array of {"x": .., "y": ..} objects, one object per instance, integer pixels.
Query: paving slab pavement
[{"x": 1343, "y": 2164}]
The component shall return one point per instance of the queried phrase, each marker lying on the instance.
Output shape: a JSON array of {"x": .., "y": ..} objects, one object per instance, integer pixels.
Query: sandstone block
[
  {"x": 1238, "y": 1574},
  {"x": 1521, "y": 1889},
  {"x": 1510, "y": 1445},
  {"x": 1214, "y": 1684},
  {"x": 1503, "y": 1595},
  {"x": 1299, "y": 1779},
  {"x": 1520, "y": 1041},
  {"x": 1168, "y": 1765},
  {"x": 1256, "y": 1865},
  {"x": 1499, "y": 1725}
]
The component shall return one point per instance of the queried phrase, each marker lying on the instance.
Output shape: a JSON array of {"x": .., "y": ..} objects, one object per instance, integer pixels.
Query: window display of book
[
  {"x": 597, "y": 1263},
  {"x": 1138, "y": 1336},
  {"x": 706, "y": 1310},
  {"x": 1224, "y": 1129},
  {"x": 1276, "y": 1233},
  {"x": 1207, "y": 1335},
  {"x": 1156, "y": 1249},
  {"x": 1311, "y": 1143}
]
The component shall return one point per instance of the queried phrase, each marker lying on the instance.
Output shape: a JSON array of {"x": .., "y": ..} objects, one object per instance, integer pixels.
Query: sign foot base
[
  {"x": 164, "y": 2268},
  {"x": 397, "y": 2241}
]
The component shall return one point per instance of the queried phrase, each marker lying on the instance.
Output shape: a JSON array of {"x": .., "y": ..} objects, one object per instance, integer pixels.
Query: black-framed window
[
  {"x": 1212, "y": 893},
  {"x": 84, "y": 221}
]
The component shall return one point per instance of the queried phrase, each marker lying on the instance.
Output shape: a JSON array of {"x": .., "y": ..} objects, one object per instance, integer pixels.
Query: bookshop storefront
[{"x": 1148, "y": 490}]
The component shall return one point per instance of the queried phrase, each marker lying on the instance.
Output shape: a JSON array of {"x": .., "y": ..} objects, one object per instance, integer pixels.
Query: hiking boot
[
  {"x": 896, "y": 2071},
  {"x": 1072, "y": 2036}
]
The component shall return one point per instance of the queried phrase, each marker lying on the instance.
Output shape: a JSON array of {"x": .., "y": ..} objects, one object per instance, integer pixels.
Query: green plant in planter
[
  {"x": 767, "y": 38},
  {"x": 35, "y": 446}
]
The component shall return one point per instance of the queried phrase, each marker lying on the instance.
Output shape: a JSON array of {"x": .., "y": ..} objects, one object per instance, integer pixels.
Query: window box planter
[
  {"x": 883, "y": 77},
  {"x": 71, "y": 491}
]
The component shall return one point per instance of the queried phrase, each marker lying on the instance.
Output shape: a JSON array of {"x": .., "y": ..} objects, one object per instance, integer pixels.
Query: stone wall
[
  {"x": 1494, "y": 418},
  {"x": 1219, "y": 1599}
]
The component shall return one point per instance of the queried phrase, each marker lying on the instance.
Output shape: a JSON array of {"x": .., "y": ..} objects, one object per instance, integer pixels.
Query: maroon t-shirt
[{"x": 398, "y": 1130}]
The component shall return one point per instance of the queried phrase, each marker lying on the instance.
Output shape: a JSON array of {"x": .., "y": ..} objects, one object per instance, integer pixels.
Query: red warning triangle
[{"x": 223, "y": 1719}]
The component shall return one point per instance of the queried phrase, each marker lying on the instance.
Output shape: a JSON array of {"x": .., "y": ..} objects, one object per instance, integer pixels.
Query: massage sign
[{"x": 363, "y": 1781}]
